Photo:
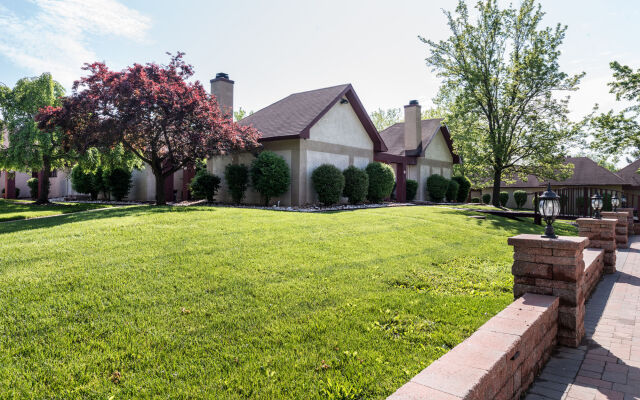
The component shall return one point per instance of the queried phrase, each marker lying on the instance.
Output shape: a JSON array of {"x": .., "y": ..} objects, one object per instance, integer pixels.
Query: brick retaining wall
[
  {"x": 622, "y": 227},
  {"x": 499, "y": 361}
]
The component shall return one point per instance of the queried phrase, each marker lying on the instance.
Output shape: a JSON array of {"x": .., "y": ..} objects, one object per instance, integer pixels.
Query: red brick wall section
[
  {"x": 630, "y": 221},
  {"x": 499, "y": 361},
  {"x": 622, "y": 226},
  {"x": 601, "y": 234},
  {"x": 553, "y": 267}
]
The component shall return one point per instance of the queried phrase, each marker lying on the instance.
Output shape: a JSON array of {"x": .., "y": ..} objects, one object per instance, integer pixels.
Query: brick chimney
[
  {"x": 412, "y": 125},
  {"x": 222, "y": 89}
]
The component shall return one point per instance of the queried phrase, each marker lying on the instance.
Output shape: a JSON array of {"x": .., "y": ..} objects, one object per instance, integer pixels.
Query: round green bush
[
  {"x": 412, "y": 189},
  {"x": 17, "y": 193},
  {"x": 270, "y": 175},
  {"x": 237, "y": 177},
  {"x": 452, "y": 191},
  {"x": 504, "y": 198},
  {"x": 475, "y": 200},
  {"x": 328, "y": 182},
  {"x": 204, "y": 185},
  {"x": 356, "y": 184},
  {"x": 33, "y": 187},
  {"x": 464, "y": 187},
  {"x": 381, "y": 181},
  {"x": 88, "y": 182},
  {"x": 520, "y": 197},
  {"x": 118, "y": 182},
  {"x": 437, "y": 186},
  {"x": 486, "y": 198}
]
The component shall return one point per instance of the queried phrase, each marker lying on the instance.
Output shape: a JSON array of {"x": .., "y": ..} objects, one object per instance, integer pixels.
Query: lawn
[
  {"x": 11, "y": 210},
  {"x": 228, "y": 303}
]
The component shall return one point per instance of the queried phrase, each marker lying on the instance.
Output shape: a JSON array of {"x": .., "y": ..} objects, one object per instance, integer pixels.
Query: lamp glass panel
[{"x": 556, "y": 208}]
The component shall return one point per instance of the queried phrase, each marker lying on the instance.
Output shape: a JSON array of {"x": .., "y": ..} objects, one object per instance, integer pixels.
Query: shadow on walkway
[{"x": 607, "y": 364}]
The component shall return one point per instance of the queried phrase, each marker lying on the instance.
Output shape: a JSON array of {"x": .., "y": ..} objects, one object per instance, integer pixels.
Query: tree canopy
[
  {"x": 153, "y": 111},
  {"x": 501, "y": 73},
  {"x": 382, "y": 119},
  {"x": 618, "y": 133},
  {"x": 29, "y": 148}
]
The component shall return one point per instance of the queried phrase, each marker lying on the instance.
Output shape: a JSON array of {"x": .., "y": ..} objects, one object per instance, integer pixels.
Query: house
[
  {"x": 331, "y": 126},
  {"x": 308, "y": 129},
  {"x": 587, "y": 176}
]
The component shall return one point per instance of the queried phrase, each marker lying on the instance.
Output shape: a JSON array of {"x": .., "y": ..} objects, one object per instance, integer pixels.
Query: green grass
[
  {"x": 11, "y": 210},
  {"x": 242, "y": 304}
]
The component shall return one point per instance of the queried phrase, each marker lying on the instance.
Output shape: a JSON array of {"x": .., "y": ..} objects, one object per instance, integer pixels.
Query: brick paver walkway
[{"x": 607, "y": 364}]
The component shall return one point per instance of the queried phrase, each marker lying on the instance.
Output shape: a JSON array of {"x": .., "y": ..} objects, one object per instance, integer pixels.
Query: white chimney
[
  {"x": 222, "y": 89},
  {"x": 412, "y": 125}
]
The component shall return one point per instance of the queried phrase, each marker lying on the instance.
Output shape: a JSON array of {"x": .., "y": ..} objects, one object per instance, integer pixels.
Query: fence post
[
  {"x": 587, "y": 202},
  {"x": 537, "y": 219}
]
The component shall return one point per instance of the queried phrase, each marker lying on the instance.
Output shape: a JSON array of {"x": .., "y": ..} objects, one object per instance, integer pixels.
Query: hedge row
[
  {"x": 455, "y": 189},
  {"x": 375, "y": 183}
]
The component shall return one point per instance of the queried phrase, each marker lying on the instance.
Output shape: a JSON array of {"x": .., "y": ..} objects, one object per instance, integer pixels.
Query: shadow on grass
[
  {"x": 90, "y": 215},
  {"x": 515, "y": 226}
]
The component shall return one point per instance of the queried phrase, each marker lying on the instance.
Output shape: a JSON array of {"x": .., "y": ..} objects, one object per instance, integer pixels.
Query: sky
[{"x": 274, "y": 48}]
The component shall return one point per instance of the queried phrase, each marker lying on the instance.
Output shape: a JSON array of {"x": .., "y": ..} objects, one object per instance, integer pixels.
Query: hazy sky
[{"x": 274, "y": 48}]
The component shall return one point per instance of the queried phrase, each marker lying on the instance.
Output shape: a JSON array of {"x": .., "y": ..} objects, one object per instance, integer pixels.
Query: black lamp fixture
[
  {"x": 596, "y": 204},
  {"x": 615, "y": 202},
  {"x": 549, "y": 207}
]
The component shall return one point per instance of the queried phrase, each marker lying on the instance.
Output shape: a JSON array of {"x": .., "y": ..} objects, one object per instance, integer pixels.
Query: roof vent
[
  {"x": 413, "y": 102},
  {"x": 222, "y": 75}
]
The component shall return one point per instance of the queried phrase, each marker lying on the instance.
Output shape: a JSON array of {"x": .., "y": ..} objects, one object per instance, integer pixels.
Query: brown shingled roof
[
  {"x": 586, "y": 172},
  {"x": 293, "y": 116},
  {"x": 630, "y": 173},
  {"x": 393, "y": 137}
]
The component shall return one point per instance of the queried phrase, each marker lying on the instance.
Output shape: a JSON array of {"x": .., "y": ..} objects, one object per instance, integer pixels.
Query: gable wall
[{"x": 340, "y": 125}]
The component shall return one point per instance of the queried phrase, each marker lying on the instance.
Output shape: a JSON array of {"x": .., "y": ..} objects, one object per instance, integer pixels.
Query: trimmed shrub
[
  {"x": 356, "y": 184},
  {"x": 237, "y": 177},
  {"x": 204, "y": 185},
  {"x": 504, "y": 198},
  {"x": 520, "y": 197},
  {"x": 33, "y": 187},
  {"x": 486, "y": 198},
  {"x": 437, "y": 186},
  {"x": 452, "y": 191},
  {"x": 412, "y": 189},
  {"x": 88, "y": 182},
  {"x": 381, "y": 181},
  {"x": 17, "y": 193},
  {"x": 270, "y": 175},
  {"x": 464, "y": 187},
  {"x": 475, "y": 200},
  {"x": 118, "y": 182},
  {"x": 328, "y": 182}
]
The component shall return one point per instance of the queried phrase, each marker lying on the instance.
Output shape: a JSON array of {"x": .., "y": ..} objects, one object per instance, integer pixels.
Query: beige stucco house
[{"x": 331, "y": 126}]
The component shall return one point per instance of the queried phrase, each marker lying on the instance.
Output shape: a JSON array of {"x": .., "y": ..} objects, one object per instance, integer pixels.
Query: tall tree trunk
[
  {"x": 43, "y": 193},
  {"x": 497, "y": 178},
  {"x": 160, "y": 200}
]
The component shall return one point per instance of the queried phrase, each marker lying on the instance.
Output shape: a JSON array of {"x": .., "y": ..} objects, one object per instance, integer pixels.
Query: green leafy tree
[
  {"x": 87, "y": 181},
  {"x": 241, "y": 113},
  {"x": 118, "y": 182},
  {"x": 503, "y": 70},
  {"x": 270, "y": 175},
  {"x": 618, "y": 133},
  {"x": 383, "y": 119},
  {"x": 29, "y": 148}
]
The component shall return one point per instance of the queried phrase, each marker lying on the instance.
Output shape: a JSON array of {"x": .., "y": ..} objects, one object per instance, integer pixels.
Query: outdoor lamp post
[
  {"x": 623, "y": 201},
  {"x": 549, "y": 207},
  {"x": 596, "y": 204},
  {"x": 615, "y": 202}
]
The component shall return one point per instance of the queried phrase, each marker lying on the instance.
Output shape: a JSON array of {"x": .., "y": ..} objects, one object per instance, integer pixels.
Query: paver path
[{"x": 607, "y": 364}]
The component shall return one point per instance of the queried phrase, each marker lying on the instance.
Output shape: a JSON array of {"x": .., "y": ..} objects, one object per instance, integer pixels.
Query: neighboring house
[
  {"x": 308, "y": 129},
  {"x": 587, "y": 174},
  {"x": 422, "y": 147}
]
